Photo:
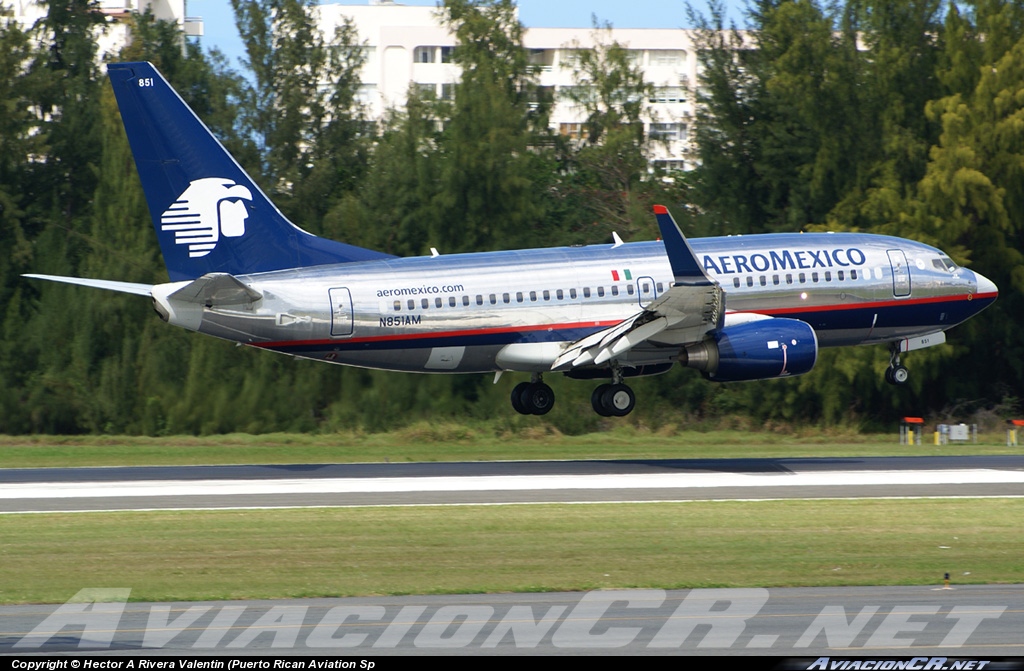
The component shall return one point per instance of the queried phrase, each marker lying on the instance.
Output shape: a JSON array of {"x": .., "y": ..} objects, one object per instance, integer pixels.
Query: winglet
[{"x": 685, "y": 267}]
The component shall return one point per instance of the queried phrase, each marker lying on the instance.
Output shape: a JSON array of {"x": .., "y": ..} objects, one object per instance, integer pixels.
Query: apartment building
[
  {"x": 407, "y": 44},
  {"x": 116, "y": 35}
]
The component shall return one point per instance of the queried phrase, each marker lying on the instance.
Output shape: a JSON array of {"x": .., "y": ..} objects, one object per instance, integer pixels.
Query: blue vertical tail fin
[{"x": 208, "y": 213}]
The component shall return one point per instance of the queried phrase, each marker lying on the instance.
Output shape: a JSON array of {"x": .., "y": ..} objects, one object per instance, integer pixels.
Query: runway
[
  {"x": 968, "y": 622},
  {"x": 282, "y": 486}
]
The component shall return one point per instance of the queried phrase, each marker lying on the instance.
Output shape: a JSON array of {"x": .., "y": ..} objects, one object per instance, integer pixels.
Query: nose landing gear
[{"x": 896, "y": 374}]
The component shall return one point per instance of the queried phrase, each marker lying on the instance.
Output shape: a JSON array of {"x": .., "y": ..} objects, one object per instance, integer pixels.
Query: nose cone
[{"x": 986, "y": 287}]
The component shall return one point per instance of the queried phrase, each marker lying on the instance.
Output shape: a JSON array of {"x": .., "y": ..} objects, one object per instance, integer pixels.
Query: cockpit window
[{"x": 944, "y": 263}]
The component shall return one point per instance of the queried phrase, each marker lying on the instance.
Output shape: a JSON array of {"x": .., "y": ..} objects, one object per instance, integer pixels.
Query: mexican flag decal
[{"x": 618, "y": 275}]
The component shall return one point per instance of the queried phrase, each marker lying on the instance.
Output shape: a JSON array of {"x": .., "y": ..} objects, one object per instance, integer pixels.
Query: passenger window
[
  {"x": 586, "y": 292},
  {"x": 519, "y": 297},
  {"x": 615, "y": 290},
  {"x": 839, "y": 275},
  {"x": 572, "y": 293},
  {"x": 803, "y": 278},
  {"x": 645, "y": 287},
  {"x": 814, "y": 276},
  {"x": 750, "y": 281},
  {"x": 533, "y": 295},
  {"x": 600, "y": 292},
  {"x": 398, "y": 305},
  {"x": 465, "y": 301},
  {"x": 559, "y": 294},
  {"x": 764, "y": 281},
  {"x": 658, "y": 285},
  {"x": 547, "y": 295},
  {"x": 479, "y": 299},
  {"x": 424, "y": 303},
  {"x": 828, "y": 275},
  {"x": 437, "y": 302},
  {"x": 629, "y": 289},
  {"x": 412, "y": 304},
  {"x": 736, "y": 282},
  {"x": 451, "y": 301},
  {"x": 494, "y": 299},
  {"x": 853, "y": 274},
  {"x": 789, "y": 278},
  {"x": 506, "y": 298}
]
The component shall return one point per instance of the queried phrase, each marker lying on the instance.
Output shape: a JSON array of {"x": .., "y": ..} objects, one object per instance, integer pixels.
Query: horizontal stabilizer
[
  {"x": 216, "y": 289},
  {"x": 110, "y": 285}
]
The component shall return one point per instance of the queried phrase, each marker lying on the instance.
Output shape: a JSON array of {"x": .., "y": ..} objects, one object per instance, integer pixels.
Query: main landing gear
[
  {"x": 608, "y": 400},
  {"x": 533, "y": 397},
  {"x": 896, "y": 374},
  {"x": 613, "y": 400}
]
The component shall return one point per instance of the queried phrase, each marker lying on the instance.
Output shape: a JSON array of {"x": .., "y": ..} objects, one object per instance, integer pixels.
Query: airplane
[{"x": 735, "y": 308}]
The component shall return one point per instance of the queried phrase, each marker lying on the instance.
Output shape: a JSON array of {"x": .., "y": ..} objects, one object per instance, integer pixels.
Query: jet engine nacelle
[{"x": 757, "y": 350}]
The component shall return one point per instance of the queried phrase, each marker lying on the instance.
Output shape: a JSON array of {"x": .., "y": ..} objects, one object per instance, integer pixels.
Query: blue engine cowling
[{"x": 758, "y": 350}]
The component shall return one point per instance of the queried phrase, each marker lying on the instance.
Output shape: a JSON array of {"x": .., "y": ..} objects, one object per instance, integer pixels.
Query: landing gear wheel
[
  {"x": 618, "y": 400},
  {"x": 899, "y": 375},
  {"x": 517, "y": 398},
  {"x": 537, "y": 398},
  {"x": 597, "y": 400}
]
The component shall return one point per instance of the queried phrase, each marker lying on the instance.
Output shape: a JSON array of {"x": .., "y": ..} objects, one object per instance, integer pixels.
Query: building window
[
  {"x": 448, "y": 91},
  {"x": 446, "y": 54},
  {"x": 424, "y": 54},
  {"x": 573, "y": 131},
  {"x": 666, "y": 57},
  {"x": 668, "y": 94},
  {"x": 669, "y": 132},
  {"x": 544, "y": 58}
]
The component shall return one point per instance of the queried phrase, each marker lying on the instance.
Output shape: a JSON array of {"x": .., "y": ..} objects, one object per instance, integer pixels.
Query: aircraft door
[
  {"x": 900, "y": 273},
  {"x": 341, "y": 312},
  {"x": 646, "y": 290}
]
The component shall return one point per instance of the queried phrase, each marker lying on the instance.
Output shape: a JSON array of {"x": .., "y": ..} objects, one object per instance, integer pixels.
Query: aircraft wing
[{"x": 692, "y": 306}]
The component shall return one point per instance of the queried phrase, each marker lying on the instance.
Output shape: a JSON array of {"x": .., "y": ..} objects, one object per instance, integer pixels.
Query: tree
[
  {"x": 488, "y": 164},
  {"x": 607, "y": 169},
  {"x": 302, "y": 106}
]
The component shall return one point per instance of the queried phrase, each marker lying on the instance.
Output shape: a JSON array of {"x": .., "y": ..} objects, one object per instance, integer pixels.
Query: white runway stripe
[{"x": 70, "y": 490}]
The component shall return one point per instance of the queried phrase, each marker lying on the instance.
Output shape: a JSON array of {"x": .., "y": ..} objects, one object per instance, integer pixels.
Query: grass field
[
  {"x": 422, "y": 550},
  {"x": 459, "y": 443},
  {"x": 511, "y": 548}
]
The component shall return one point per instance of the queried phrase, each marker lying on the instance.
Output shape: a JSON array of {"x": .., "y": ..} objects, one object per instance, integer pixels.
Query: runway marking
[
  {"x": 157, "y": 488},
  {"x": 470, "y": 504}
]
